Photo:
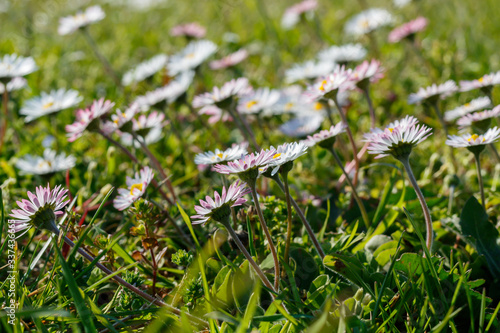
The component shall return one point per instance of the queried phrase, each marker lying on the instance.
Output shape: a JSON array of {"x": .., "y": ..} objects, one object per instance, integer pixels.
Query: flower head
[
  {"x": 248, "y": 166},
  {"x": 330, "y": 85},
  {"x": 148, "y": 129},
  {"x": 474, "y": 105},
  {"x": 308, "y": 70},
  {"x": 367, "y": 72},
  {"x": 325, "y": 138},
  {"x": 285, "y": 155},
  {"x": 70, "y": 24},
  {"x": 136, "y": 187},
  {"x": 408, "y": 30},
  {"x": 368, "y": 21},
  {"x": 49, "y": 163},
  {"x": 487, "y": 81},
  {"x": 398, "y": 140},
  {"x": 474, "y": 142},
  {"x": 343, "y": 54},
  {"x": 221, "y": 98},
  {"x": 16, "y": 83},
  {"x": 193, "y": 55},
  {"x": 229, "y": 60},
  {"x": 121, "y": 120},
  {"x": 258, "y": 100},
  {"x": 88, "y": 118},
  {"x": 48, "y": 103},
  {"x": 145, "y": 69},
  {"x": 191, "y": 30},
  {"x": 12, "y": 65},
  {"x": 292, "y": 14},
  {"x": 432, "y": 93},
  {"x": 219, "y": 208},
  {"x": 167, "y": 94},
  {"x": 480, "y": 120},
  {"x": 219, "y": 156},
  {"x": 41, "y": 210}
]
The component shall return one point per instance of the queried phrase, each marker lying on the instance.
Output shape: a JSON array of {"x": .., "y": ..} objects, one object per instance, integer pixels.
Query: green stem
[
  {"x": 289, "y": 216},
  {"x": 362, "y": 209},
  {"x": 237, "y": 120},
  {"x": 5, "y": 101},
  {"x": 480, "y": 179},
  {"x": 427, "y": 214},
  {"x": 370, "y": 107},
  {"x": 440, "y": 117}
]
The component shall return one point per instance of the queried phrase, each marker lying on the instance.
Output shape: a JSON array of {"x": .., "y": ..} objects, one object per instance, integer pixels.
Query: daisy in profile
[
  {"x": 408, "y": 30},
  {"x": 72, "y": 23},
  {"x": 47, "y": 164},
  {"x": 484, "y": 83},
  {"x": 222, "y": 98},
  {"x": 433, "y": 93},
  {"x": 220, "y": 156},
  {"x": 302, "y": 126},
  {"x": 48, "y": 103},
  {"x": 41, "y": 210},
  {"x": 12, "y": 65},
  {"x": 476, "y": 143},
  {"x": 309, "y": 70},
  {"x": 258, "y": 101},
  {"x": 146, "y": 128},
  {"x": 14, "y": 84},
  {"x": 343, "y": 54},
  {"x": 193, "y": 55},
  {"x": 229, "y": 60},
  {"x": 479, "y": 121},
  {"x": 121, "y": 120},
  {"x": 368, "y": 21},
  {"x": 136, "y": 187},
  {"x": 145, "y": 70},
  {"x": 399, "y": 142},
  {"x": 477, "y": 104},
  {"x": 287, "y": 153},
  {"x": 293, "y": 13},
  {"x": 168, "y": 94},
  {"x": 189, "y": 30},
  {"x": 88, "y": 119}
]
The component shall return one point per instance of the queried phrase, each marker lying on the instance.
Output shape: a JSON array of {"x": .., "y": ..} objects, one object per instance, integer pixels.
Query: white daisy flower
[
  {"x": 330, "y": 85},
  {"x": 191, "y": 57},
  {"x": 16, "y": 83},
  {"x": 485, "y": 82},
  {"x": 49, "y": 163},
  {"x": 229, "y": 60},
  {"x": 343, "y": 54},
  {"x": 368, "y": 21},
  {"x": 48, "y": 103},
  {"x": 286, "y": 153},
  {"x": 121, "y": 119},
  {"x": 88, "y": 118},
  {"x": 401, "y": 3},
  {"x": 474, "y": 105},
  {"x": 257, "y": 101},
  {"x": 136, "y": 187},
  {"x": 191, "y": 30},
  {"x": 12, "y": 65},
  {"x": 476, "y": 118},
  {"x": 147, "y": 127},
  {"x": 145, "y": 69},
  {"x": 70, "y": 24},
  {"x": 219, "y": 156},
  {"x": 470, "y": 140},
  {"x": 308, "y": 70},
  {"x": 302, "y": 126},
  {"x": 293, "y": 13},
  {"x": 325, "y": 138},
  {"x": 222, "y": 97},
  {"x": 432, "y": 93}
]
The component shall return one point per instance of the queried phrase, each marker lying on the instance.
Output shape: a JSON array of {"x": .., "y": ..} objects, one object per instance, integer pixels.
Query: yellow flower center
[
  {"x": 220, "y": 155},
  {"x": 481, "y": 79},
  {"x": 474, "y": 137},
  {"x": 390, "y": 129},
  {"x": 322, "y": 86},
  {"x": 288, "y": 106},
  {"x": 276, "y": 155},
  {"x": 136, "y": 186},
  {"x": 47, "y": 105},
  {"x": 318, "y": 106},
  {"x": 365, "y": 24},
  {"x": 250, "y": 104},
  {"x": 190, "y": 56},
  {"x": 467, "y": 105}
]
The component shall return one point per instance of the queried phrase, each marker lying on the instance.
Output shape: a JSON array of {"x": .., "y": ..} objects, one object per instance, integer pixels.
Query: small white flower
[
  {"x": 257, "y": 101},
  {"x": 485, "y": 82},
  {"x": 219, "y": 156},
  {"x": 285, "y": 153},
  {"x": 432, "y": 93},
  {"x": 191, "y": 57},
  {"x": 136, "y": 187},
  {"x": 48, "y": 103},
  {"x": 476, "y": 117},
  {"x": 145, "y": 69},
  {"x": 401, "y": 3},
  {"x": 49, "y": 163},
  {"x": 330, "y": 85},
  {"x": 325, "y": 135},
  {"x": 474, "y": 105},
  {"x": 469, "y": 140},
  {"x": 342, "y": 54},
  {"x": 368, "y": 21},
  {"x": 12, "y": 65},
  {"x": 148, "y": 129},
  {"x": 210, "y": 102},
  {"x": 308, "y": 70},
  {"x": 292, "y": 14},
  {"x": 16, "y": 83},
  {"x": 229, "y": 60},
  {"x": 70, "y": 24}
]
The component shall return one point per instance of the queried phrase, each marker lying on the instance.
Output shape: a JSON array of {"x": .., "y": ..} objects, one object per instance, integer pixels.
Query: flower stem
[
  {"x": 351, "y": 139},
  {"x": 242, "y": 130},
  {"x": 268, "y": 236},
  {"x": 246, "y": 126},
  {"x": 370, "y": 107},
  {"x": 440, "y": 116},
  {"x": 247, "y": 255},
  {"x": 480, "y": 179},
  {"x": 427, "y": 214},
  {"x": 302, "y": 217},
  {"x": 134, "y": 289},
  {"x": 5, "y": 101},
  {"x": 362, "y": 209},
  {"x": 284, "y": 175}
]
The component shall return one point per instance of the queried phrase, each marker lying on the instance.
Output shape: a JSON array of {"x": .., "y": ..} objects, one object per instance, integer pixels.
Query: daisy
[
  {"x": 191, "y": 57},
  {"x": 325, "y": 138},
  {"x": 49, "y": 163},
  {"x": 48, "y": 103},
  {"x": 401, "y": 3},
  {"x": 330, "y": 85},
  {"x": 486, "y": 82},
  {"x": 257, "y": 101},
  {"x": 222, "y": 98},
  {"x": 219, "y": 156},
  {"x": 88, "y": 119},
  {"x": 218, "y": 209},
  {"x": 70, "y": 24},
  {"x": 432, "y": 93},
  {"x": 404, "y": 124},
  {"x": 368, "y": 21},
  {"x": 12, "y": 65},
  {"x": 408, "y": 30},
  {"x": 248, "y": 166},
  {"x": 145, "y": 69},
  {"x": 367, "y": 72},
  {"x": 302, "y": 126},
  {"x": 285, "y": 155},
  {"x": 191, "y": 30},
  {"x": 121, "y": 120},
  {"x": 136, "y": 187},
  {"x": 474, "y": 105},
  {"x": 479, "y": 120},
  {"x": 148, "y": 128},
  {"x": 41, "y": 210},
  {"x": 215, "y": 115},
  {"x": 343, "y": 54},
  {"x": 308, "y": 70},
  {"x": 293, "y": 13},
  {"x": 167, "y": 94},
  {"x": 16, "y": 83},
  {"x": 229, "y": 60}
]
